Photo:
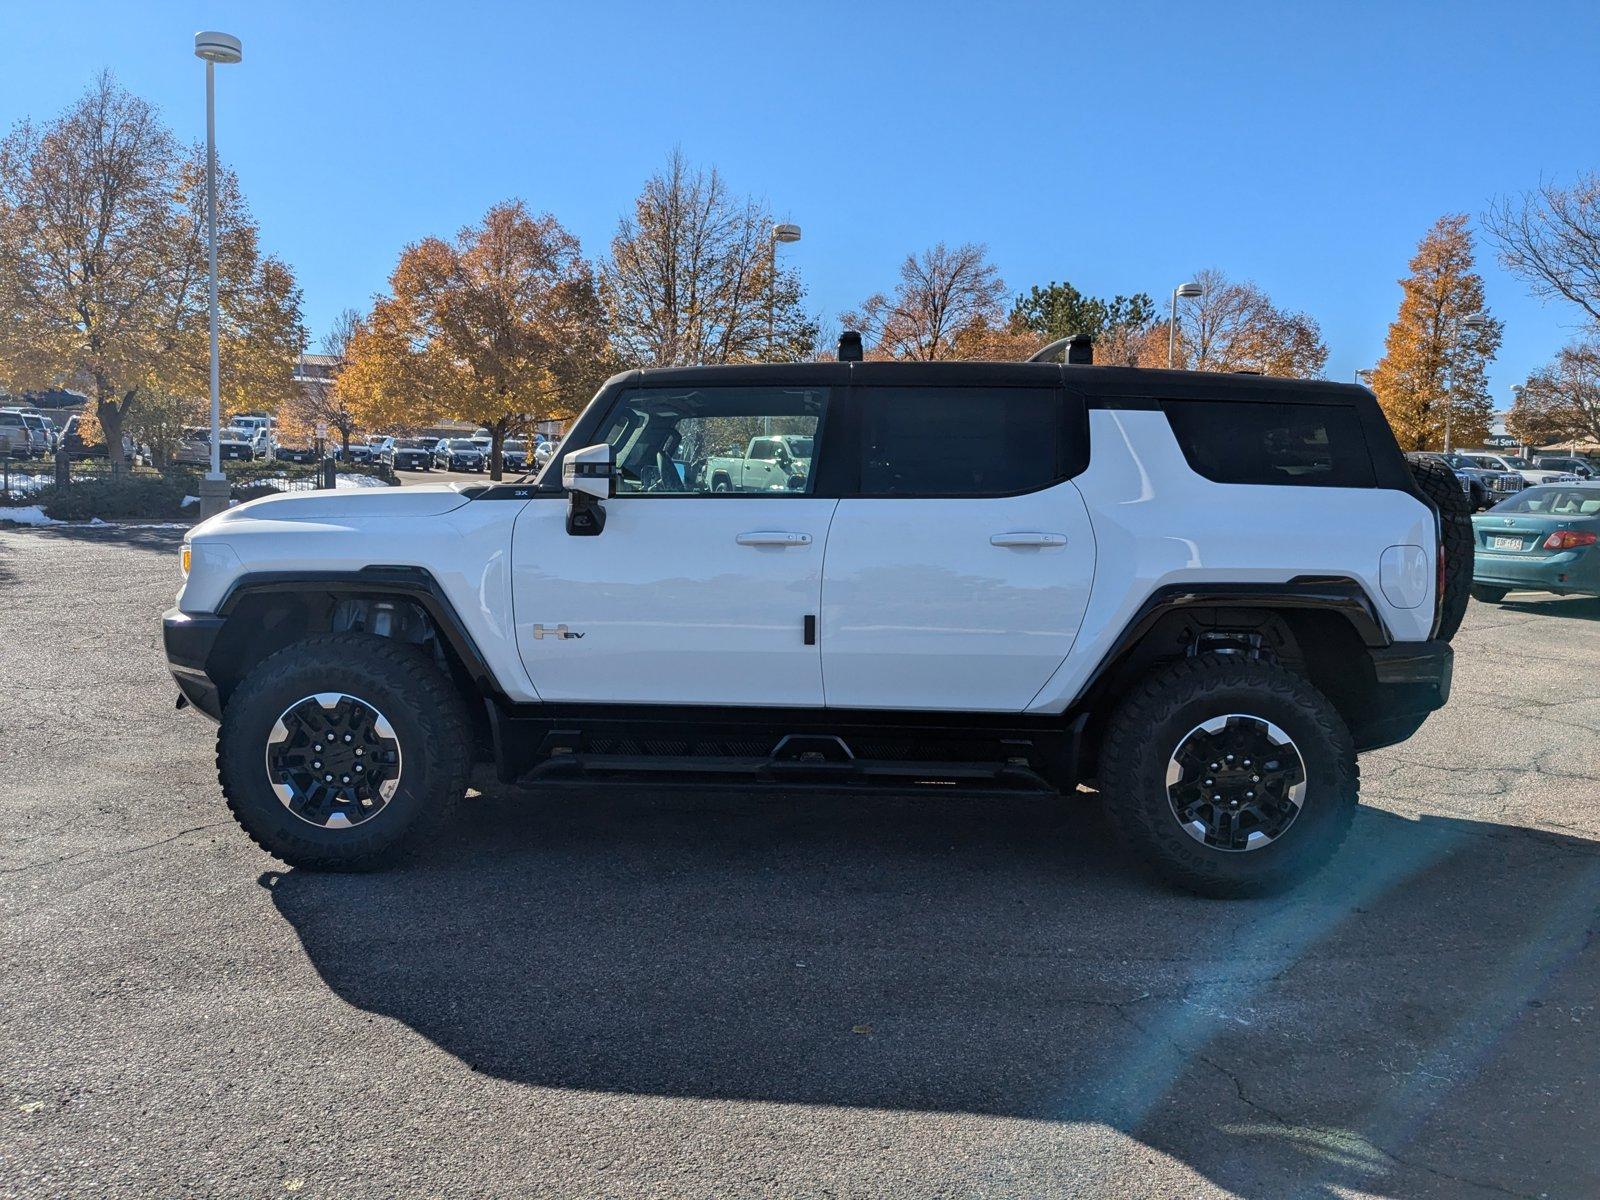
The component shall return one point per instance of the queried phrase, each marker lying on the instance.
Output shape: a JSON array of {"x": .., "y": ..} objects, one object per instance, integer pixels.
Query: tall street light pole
[
  {"x": 1188, "y": 291},
  {"x": 780, "y": 233},
  {"x": 1474, "y": 323},
  {"x": 214, "y": 48}
]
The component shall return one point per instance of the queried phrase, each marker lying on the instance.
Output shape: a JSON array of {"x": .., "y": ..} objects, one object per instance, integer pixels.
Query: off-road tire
[
  {"x": 1485, "y": 594},
  {"x": 399, "y": 681},
  {"x": 1154, "y": 718},
  {"x": 1439, "y": 484}
]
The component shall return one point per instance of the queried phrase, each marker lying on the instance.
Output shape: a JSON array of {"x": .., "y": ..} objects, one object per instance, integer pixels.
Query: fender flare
[
  {"x": 413, "y": 583},
  {"x": 1316, "y": 593}
]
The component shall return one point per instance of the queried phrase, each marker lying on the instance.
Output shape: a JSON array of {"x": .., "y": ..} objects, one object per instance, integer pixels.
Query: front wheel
[
  {"x": 341, "y": 750},
  {"x": 1229, "y": 776}
]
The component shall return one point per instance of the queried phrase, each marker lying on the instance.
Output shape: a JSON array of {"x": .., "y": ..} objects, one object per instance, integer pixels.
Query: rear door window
[
  {"x": 1264, "y": 442},
  {"x": 960, "y": 441}
]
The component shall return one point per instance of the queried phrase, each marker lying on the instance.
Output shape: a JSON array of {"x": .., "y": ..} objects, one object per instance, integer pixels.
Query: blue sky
[{"x": 1119, "y": 146}]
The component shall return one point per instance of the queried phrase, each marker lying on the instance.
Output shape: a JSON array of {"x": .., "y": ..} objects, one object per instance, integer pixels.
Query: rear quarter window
[{"x": 1266, "y": 442}]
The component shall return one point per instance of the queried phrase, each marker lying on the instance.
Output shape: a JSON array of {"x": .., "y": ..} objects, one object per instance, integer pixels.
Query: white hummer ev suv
[{"x": 1202, "y": 594}]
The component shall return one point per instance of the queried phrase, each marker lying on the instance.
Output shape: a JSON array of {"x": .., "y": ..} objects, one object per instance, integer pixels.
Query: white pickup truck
[{"x": 771, "y": 463}]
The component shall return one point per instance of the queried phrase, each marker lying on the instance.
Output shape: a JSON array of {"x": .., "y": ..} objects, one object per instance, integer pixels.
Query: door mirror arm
[{"x": 586, "y": 516}]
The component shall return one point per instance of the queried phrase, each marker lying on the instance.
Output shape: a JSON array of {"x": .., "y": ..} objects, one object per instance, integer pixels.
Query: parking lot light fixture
[
  {"x": 1188, "y": 291},
  {"x": 214, "y": 48},
  {"x": 1473, "y": 324},
  {"x": 781, "y": 232}
]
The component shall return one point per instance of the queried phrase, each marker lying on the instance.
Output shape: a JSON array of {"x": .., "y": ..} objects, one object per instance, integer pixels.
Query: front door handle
[
  {"x": 1028, "y": 539},
  {"x": 773, "y": 537}
]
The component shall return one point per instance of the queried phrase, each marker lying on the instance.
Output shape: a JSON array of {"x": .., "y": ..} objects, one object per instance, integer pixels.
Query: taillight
[{"x": 1568, "y": 539}]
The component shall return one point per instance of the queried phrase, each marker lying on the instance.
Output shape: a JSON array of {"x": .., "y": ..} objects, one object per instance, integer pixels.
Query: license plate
[{"x": 1505, "y": 543}]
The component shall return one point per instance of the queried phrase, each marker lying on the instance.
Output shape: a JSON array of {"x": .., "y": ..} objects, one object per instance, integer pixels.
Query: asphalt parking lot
[{"x": 621, "y": 992}]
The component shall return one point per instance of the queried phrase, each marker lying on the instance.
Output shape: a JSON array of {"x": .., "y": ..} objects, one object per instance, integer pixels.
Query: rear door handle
[
  {"x": 773, "y": 537},
  {"x": 1028, "y": 539}
]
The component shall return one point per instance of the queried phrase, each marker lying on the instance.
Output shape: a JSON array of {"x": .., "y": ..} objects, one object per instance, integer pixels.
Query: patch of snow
[
  {"x": 358, "y": 481},
  {"x": 188, "y": 500},
  {"x": 31, "y": 515}
]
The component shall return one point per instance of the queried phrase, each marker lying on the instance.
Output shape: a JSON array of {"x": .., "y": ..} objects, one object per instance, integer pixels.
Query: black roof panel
[{"x": 1110, "y": 382}]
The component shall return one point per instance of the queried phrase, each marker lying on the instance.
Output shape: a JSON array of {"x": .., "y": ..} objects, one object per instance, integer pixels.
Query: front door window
[{"x": 711, "y": 441}]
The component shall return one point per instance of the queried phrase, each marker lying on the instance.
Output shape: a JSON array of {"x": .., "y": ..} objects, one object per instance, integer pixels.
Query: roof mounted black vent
[
  {"x": 850, "y": 346},
  {"x": 1077, "y": 350}
]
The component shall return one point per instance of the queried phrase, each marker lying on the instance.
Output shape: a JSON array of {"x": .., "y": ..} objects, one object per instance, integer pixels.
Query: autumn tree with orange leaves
[
  {"x": 501, "y": 327},
  {"x": 103, "y": 269}
]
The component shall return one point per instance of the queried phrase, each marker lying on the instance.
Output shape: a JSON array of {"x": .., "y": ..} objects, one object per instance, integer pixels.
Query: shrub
[{"x": 132, "y": 496}]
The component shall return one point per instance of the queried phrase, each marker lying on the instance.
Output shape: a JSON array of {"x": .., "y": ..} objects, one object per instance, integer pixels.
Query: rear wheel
[
  {"x": 1229, "y": 776},
  {"x": 1488, "y": 595},
  {"x": 1438, "y": 482},
  {"x": 340, "y": 751}
]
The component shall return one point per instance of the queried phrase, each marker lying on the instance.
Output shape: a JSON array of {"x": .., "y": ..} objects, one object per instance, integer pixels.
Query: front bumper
[
  {"x": 1411, "y": 680},
  {"x": 189, "y": 639}
]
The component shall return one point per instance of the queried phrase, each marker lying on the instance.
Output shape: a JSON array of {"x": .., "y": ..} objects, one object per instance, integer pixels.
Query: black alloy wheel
[
  {"x": 1236, "y": 782},
  {"x": 333, "y": 760}
]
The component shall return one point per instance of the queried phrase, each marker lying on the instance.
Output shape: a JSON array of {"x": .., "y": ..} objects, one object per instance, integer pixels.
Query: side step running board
[{"x": 852, "y": 771}]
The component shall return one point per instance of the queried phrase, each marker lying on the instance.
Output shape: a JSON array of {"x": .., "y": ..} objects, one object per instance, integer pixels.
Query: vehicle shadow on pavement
[
  {"x": 1406, "y": 1024},
  {"x": 1580, "y": 608}
]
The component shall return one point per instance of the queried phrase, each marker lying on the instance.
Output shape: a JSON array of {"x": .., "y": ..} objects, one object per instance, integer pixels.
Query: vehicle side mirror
[
  {"x": 588, "y": 476},
  {"x": 590, "y": 472}
]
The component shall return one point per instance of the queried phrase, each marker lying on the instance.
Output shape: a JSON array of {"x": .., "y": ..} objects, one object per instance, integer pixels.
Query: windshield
[
  {"x": 1553, "y": 502},
  {"x": 517, "y": 447},
  {"x": 1518, "y": 463},
  {"x": 415, "y": 444}
]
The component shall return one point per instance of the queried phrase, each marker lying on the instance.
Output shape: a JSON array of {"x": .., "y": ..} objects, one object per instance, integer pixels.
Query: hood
[{"x": 408, "y": 503}]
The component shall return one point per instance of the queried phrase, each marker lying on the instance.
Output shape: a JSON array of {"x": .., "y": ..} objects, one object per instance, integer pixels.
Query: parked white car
[
  {"x": 769, "y": 463},
  {"x": 261, "y": 433},
  {"x": 1531, "y": 474}
]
